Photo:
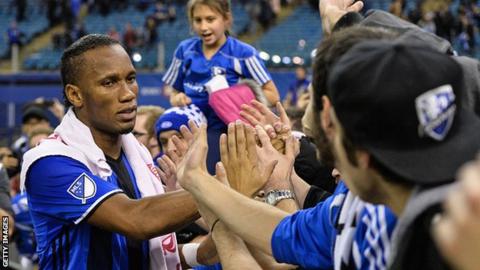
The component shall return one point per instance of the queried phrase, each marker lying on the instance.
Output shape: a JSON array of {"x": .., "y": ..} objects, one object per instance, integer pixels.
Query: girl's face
[{"x": 210, "y": 26}]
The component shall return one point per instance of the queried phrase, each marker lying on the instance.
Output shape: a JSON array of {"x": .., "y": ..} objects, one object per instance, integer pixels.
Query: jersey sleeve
[
  {"x": 254, "y": 68},
  {"x": 174, "y": 75},
  {"x": 305, "y": 238},
  {"x": 65, "y": 189}
]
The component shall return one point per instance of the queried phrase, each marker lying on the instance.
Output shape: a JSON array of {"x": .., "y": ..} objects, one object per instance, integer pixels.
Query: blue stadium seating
[{"x": 35, "y": 22}]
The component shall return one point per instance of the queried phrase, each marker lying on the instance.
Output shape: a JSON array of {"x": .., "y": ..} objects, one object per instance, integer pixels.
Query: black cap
[
  {"x": 401, "y": 103},
  {"x": 34, "y": 112}
]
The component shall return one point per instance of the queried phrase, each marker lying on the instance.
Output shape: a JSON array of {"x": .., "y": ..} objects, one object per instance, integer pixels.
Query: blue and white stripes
[{"x": 257, "y": 70}]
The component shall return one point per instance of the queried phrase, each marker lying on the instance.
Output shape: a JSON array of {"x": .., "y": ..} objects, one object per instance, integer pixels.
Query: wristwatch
[{"x": 275, "y": 196}]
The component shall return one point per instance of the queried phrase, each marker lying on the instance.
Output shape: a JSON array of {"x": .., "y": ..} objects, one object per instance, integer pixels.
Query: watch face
[{"x": 270, "y": 199}]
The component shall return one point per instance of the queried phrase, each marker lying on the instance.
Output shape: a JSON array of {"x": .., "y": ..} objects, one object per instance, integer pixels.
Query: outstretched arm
[
  {"x": 253, "y": 221},
  {"x": 148, "y": 217}
]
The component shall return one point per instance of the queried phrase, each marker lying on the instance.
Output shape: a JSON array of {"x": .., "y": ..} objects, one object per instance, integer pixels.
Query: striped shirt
[
  {"x": 343, "y": 232},
  {"x": 62, "y": 193},
  {"x": 190, "y": 70}
]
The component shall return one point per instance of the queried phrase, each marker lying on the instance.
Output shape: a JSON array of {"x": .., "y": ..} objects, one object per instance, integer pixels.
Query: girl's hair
[{"x": 221, "y": 6}]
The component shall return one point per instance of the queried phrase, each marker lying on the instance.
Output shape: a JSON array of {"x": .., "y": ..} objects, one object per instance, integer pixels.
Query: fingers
[
  {"x": 251, "y": 114},
  {"x": 457, "y": 208},
  {"x": 172, "y": 154},
  {"x": 224, "y": 149},
  {"x": 251, "y": 144},
  {"x": 470, "y": 175},
  {"x": 249, "y": 118},
  {"x": 260, "y": 107},
  {"x": 357, "y": 7},
  {"x": 180, "y": 145},
  {"x": 231, "y": 141},
  {"x": 221, "y": 174},
  {"x": 186, "y": 134},
  {"x": 283, "y": 114},
  {"x": 193, "y": 126},
  {"x": 240, "y": 138},
  {"x": 270, "y": 131},
  {"x": 291, "y": 147},
  {"x": 262, "y": 136},
  {"x": 445, "y": 235}
]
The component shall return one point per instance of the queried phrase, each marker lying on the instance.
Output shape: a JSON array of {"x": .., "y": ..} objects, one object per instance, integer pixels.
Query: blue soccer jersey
[
  {"x": 62, "y": 193},
  {"x": 190, "y": 70},
  {"x": 25, "y": 238},
  {"x": 342, "y": 232}
]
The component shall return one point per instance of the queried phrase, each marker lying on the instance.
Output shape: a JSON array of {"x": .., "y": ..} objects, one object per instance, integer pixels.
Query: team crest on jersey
[
  {"x": 435, "y": 112},
  {"x": 83, "y": 188},
  {"x": 218, "y": 71}
]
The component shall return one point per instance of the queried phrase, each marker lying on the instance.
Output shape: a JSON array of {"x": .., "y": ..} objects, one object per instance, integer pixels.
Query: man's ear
[
  {"x": 73, "y": 94},
  {"x": 325, "y": 117}
]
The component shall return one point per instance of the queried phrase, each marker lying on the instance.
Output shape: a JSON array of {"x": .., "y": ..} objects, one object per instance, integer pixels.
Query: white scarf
[{"x": 73, "y": 139}]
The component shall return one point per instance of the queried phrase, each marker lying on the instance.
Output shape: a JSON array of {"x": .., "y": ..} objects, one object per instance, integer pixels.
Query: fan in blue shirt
[{"x": 197, "y": 60}]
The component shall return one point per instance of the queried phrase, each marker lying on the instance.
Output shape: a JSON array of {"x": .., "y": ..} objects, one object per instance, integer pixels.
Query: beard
[{"x": 324, "y": 148}]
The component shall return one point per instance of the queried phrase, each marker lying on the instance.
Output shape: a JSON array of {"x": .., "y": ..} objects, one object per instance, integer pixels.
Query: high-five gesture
[
  {"x": 238, "y": 152},
  {"x": 195, "y": 158}
]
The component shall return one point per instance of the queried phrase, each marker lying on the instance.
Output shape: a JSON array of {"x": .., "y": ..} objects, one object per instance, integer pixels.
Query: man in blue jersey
[{"x": 94, "y": 195}]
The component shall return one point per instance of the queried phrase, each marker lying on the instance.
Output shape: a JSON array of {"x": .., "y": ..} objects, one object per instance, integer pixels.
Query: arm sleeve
[
  {"x": 255, "y": 69},
  {"x": 305, "y": 238},
  {"x": 175, "y": 75},
  {"x": 65, "y": 189}
]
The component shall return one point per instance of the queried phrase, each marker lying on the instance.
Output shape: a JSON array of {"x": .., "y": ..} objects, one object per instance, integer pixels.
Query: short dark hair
[
  {"x": 72, "y": 63},
  {"x": 335, "y": 46}
]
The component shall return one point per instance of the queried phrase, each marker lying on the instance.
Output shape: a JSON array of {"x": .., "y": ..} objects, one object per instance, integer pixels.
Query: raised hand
[
  {"x": 239, "y": 155},
  {"x": 278, "y": 128},
  {"x": 179, "y": 100},
  {"x": 168, "y": 173},
  {"x": 194, "y": 160},
  {"x": 457, "y": 232},
  {"x": 332, "y": 10},
  {"x": 281, "y": 174},
  {"x": 181, "y": 145}
]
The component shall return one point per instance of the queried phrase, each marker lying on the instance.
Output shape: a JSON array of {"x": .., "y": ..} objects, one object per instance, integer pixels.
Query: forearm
[
  {"x": 266, "y": 261},
  {"x": 252, "y": 220},
  {"x": 232, "y": 251},
  {"x": 166, "y": 213},
  {"x": 271, "y": 93},
  {"x": 300, "y": 188},
  {"x": 145, "y": 218}
]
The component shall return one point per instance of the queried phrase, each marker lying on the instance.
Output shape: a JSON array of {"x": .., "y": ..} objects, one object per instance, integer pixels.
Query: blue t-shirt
[
  {"x": 190, "y": 70},
  {"x": 342, "y": 231},
  {"x": 62, "y": 193}
]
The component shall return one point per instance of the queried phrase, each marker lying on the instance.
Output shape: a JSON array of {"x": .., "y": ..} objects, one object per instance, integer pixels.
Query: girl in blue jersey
[{"x": 213, "y": 52}]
